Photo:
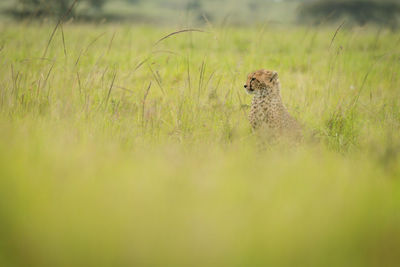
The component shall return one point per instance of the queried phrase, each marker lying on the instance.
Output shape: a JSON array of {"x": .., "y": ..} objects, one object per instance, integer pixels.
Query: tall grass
[{"x": 116, "y": 150}]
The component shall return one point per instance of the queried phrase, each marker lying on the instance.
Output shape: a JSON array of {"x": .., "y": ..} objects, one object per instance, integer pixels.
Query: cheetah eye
[{"x": 252, "y": 79}]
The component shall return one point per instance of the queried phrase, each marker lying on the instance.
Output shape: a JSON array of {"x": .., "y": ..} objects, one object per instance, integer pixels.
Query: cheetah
[{"x": 267, "y": 110}]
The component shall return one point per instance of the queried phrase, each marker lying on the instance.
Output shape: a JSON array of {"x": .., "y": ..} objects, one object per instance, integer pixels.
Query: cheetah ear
[{"x": 274, "y": 76}]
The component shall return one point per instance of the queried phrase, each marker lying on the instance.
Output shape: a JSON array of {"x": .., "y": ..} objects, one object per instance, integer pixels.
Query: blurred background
[{"x": 237, "y": 12}]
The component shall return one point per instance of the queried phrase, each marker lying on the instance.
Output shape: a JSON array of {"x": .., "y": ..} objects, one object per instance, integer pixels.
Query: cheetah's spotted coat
[{"x": 267, "y": 110}]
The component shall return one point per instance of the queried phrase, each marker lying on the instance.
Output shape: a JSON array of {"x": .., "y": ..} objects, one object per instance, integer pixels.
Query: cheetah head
[{"x": 262, "y": 81}]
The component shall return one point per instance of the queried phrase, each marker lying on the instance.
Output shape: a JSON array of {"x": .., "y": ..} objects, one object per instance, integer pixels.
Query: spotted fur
[{"x": 267, "y": 110}]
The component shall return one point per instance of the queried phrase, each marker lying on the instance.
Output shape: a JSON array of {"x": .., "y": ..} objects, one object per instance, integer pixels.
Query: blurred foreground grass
[{"x": 118, "y": 152}]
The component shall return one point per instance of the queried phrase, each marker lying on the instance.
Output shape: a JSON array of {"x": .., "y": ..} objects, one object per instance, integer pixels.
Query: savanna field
[{"x": 117, "y": 149}]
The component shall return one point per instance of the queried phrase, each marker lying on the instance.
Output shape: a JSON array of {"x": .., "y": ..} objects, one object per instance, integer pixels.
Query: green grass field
[{"x": 117, "y": 151}]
